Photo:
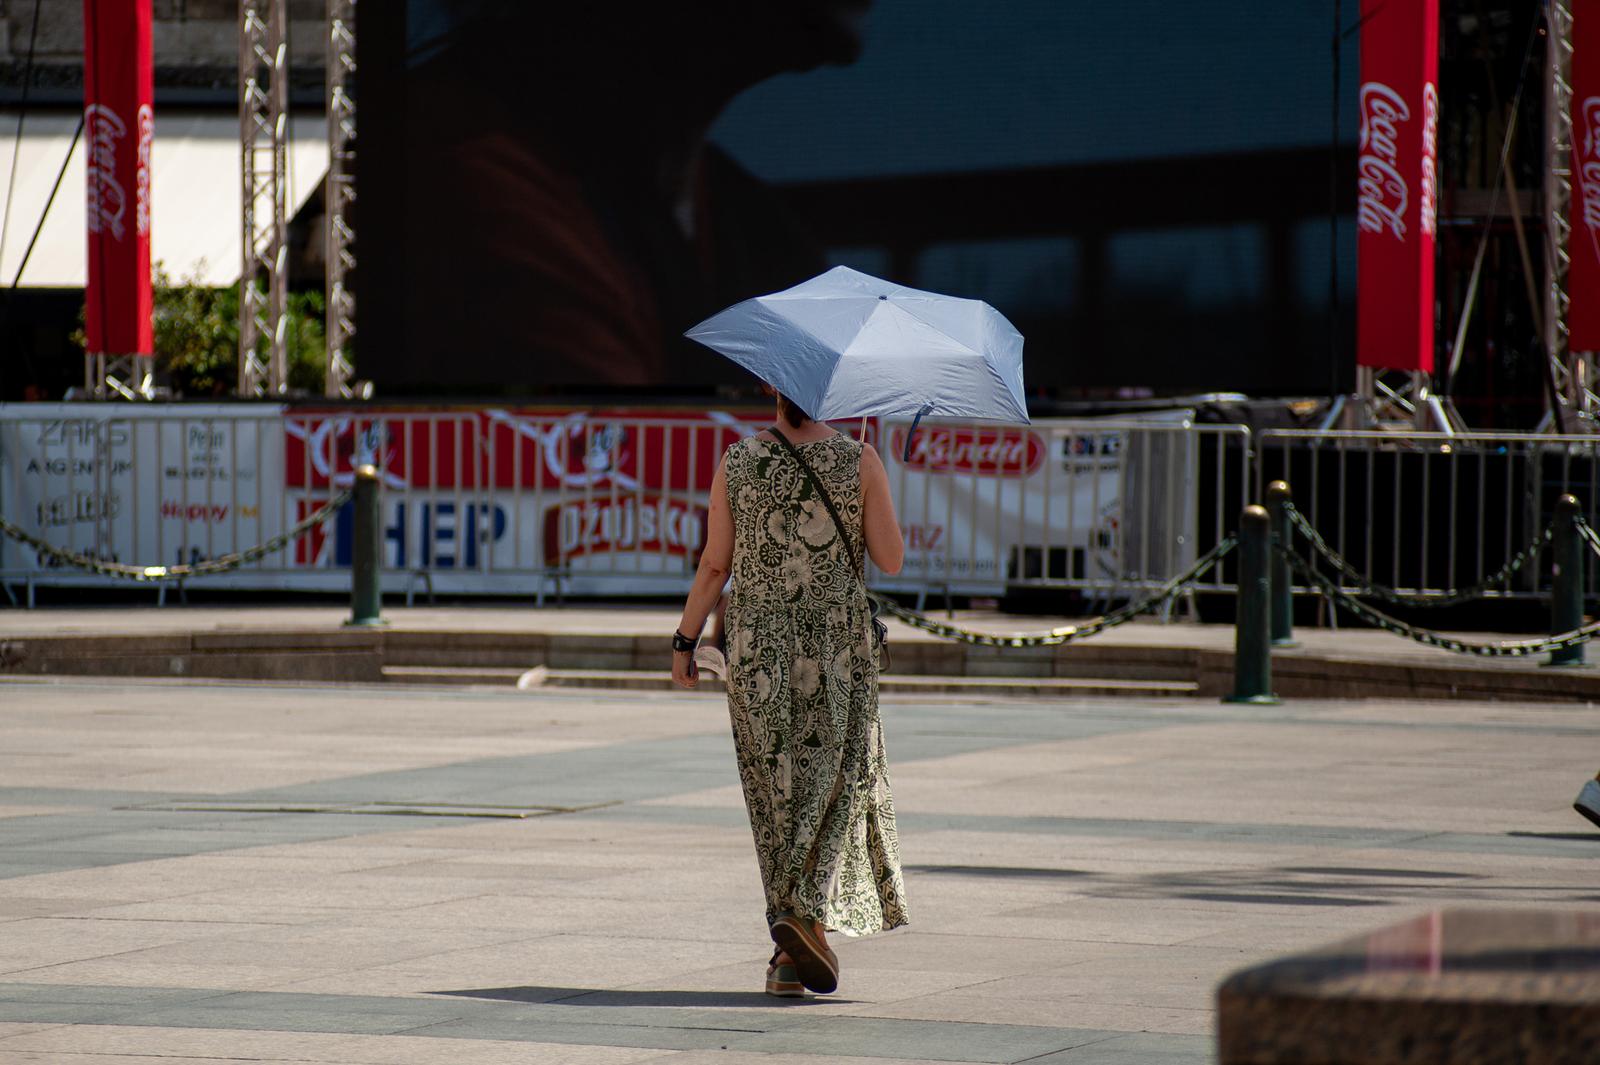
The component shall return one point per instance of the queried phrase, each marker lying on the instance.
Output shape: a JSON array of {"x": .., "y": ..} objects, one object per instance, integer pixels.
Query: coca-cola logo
[
  {"x": 1430, "y": 153},
  {"x": 141, "y": 172},
  {"x": 577, "y": 451},
  {"x": 107, "y": 199},
  {"x": 1381, "y": 191},
  {"x": 1588, "y": 167},
  {"x": 581, "y": 454},
  {"x": 992, "y": 452},
  {"x": 334, "y": 447}
]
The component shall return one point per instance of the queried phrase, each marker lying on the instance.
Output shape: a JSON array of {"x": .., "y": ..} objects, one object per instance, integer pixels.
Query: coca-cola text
[
  {"x": 1382, "y": 193},
  {"x": 1588, "y": 167},
  {"x": 141, "y": 173},
  {"x": 1429, "y": 222},
  {"x": 107, "y": 200}
]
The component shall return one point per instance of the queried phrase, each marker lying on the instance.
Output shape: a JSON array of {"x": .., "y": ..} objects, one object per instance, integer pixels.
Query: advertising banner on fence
[
  {"x": 139, "y": 485},
  {"x": 982, "y": 507},
  {"x": 1397, "y": 183},
  {"x": 118, "y": 125},
  {"x": 500, "y": 501},
  {"x": 1583, "y": 282},
  {"x": 617, "y": 500},
  {"x": 613, "y": 494},
  {"x": 969, "y": 496}
]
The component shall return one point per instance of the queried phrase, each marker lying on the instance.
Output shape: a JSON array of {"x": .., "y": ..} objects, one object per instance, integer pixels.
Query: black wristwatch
[{"x": 681, "y": 644}]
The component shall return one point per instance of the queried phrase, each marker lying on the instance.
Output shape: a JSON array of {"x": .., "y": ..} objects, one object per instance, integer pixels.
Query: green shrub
[{"x": 197, "y": 337}]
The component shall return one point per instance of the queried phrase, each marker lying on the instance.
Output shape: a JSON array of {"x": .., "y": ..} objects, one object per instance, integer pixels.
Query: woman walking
[{"x": 792, "y": 510}]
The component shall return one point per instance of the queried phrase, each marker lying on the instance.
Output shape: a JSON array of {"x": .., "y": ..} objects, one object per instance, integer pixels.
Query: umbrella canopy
[{"x": 848, "y": 345}]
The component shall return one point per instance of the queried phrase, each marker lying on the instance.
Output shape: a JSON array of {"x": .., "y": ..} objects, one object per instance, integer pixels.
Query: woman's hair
[{"x": 790, "y": 411}]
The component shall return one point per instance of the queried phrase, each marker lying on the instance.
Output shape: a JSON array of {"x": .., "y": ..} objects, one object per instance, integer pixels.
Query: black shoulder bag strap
[{"x": 880, "y": 631}]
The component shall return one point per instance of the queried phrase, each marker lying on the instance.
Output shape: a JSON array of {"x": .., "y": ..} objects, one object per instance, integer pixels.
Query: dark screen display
[{"x": 551, "y": 193}]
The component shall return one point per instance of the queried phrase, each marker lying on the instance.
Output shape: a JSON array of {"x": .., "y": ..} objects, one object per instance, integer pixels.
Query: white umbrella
[{"x": 849, "y": 345}]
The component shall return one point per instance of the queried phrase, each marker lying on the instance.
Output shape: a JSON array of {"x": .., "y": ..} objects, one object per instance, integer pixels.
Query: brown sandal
[{"x": 816, "y": 965}]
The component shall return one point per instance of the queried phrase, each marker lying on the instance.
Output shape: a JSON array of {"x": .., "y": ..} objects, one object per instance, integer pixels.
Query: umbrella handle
[{"x": 926, "y": 407}]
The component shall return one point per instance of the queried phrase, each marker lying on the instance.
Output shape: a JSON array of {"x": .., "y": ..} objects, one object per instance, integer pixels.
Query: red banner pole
[
  {"x": 1397, "y": 184},
  {"x": 119, "y": 117},
  {"x": 1583, "y": 277}
]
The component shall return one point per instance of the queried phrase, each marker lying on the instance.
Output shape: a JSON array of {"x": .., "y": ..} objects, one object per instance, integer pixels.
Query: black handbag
[{"x": 880, "y": 631}]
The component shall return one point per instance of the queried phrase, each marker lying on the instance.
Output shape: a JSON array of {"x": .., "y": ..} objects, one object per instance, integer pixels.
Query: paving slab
[
  {"x": 1082, "y": 873},
  {"x": 622, "y": 646},
  {"x": 154, "y": 1045}
]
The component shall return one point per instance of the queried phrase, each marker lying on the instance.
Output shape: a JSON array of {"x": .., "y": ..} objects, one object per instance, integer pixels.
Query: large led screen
[{"x": 551, "y": 192}]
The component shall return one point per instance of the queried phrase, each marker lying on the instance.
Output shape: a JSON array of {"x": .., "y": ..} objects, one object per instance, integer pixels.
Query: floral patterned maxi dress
[{"x": 803, "y": 690}]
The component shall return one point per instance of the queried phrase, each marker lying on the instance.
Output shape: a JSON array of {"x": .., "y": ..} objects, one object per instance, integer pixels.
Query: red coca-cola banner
[
  {"x": 1397, "y": 183},
  {"x": 118, "y": 119},
  {"x": 1583, "y": 282}
]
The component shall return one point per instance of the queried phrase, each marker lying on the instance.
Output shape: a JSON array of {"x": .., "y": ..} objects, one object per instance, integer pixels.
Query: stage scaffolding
[
  {"x": 1573, "y": 404},
  {"x": 339, "y": 194},
  {"x": 1394, "y": 400},
  {"x": 264, "y": 274}
]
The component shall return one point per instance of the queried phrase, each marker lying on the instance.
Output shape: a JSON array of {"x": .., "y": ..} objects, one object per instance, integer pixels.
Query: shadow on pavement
[{"x": 590, "y": 996}]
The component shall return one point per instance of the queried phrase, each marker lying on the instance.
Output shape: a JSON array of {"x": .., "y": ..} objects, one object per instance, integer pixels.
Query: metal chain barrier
[
  {"x": 1373, "y": 616},
  {"x": 1067, "y": 633},
  {"x": 1589, "y": 535},
  {"x": 220, "y": 564},
  {"x": 1377, "y": 591}
]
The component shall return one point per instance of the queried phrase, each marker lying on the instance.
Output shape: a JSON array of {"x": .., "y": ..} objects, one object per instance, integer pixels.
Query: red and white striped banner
[
  {"x": 1397, "y": 183},
  {"x": 118, "y": 120},
  {"x": 1583, "y": 281}
]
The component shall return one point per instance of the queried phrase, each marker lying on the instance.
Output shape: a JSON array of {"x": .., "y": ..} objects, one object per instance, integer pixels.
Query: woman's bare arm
[
  {"x": 715, "y": 563},
  {"x": 885, "y": 546}
]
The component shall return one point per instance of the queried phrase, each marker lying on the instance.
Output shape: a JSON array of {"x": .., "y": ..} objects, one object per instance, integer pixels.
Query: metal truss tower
[
  {"x": 117, "y": 377},
  {"x": 1574, "y": 405},
  {"x": 264, "y": 277},
  {"x": 339, "y": 193},
  {"x": 1394, "y": 400}
]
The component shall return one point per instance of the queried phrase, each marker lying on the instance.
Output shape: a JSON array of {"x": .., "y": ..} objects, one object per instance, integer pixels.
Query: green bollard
[
  {"x": 366, "y": 597},
  {"x": 1252, "y": 660},
  {"x": 1282, "y": 586},
  {"x": 1566, "y": 591}
]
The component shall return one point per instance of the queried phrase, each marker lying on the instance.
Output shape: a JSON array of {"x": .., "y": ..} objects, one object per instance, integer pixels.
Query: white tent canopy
[{"x": 196, "y": 186}]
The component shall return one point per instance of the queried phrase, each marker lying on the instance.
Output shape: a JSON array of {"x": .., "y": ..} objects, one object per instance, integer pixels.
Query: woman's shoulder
[
  {"x": 742, "y": 450},
  {"x": 849, "y": 445}
]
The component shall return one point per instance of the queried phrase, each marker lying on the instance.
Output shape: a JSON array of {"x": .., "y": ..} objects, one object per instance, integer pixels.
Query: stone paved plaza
[{"x": 198, "y": 872}]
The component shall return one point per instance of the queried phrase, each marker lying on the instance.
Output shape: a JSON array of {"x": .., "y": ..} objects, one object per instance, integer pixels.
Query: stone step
[
  {"x": 354, "y": 654},
  {"x": 892, "y": 683},
  {"x": 624, "y": 659},
  {"x": 497, "y": 676}
]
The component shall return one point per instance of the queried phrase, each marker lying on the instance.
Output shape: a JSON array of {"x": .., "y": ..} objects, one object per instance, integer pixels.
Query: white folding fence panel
[
  {"x": 508, "y": 502},
  {"x": 139, "y": 485}
]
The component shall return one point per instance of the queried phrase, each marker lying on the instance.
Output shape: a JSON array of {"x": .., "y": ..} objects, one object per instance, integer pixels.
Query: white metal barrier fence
[
  {"x": 509, "y": 502},
  {"x": 146, "y": 485},
  {"x": 499, "y": 501},
  {"x": 1430, "y": 513},
  {"x": 1101, "y": 506}
]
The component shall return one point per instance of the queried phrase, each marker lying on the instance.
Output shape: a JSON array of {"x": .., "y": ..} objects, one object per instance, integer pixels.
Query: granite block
[{"x": 1453, "y": 987}]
